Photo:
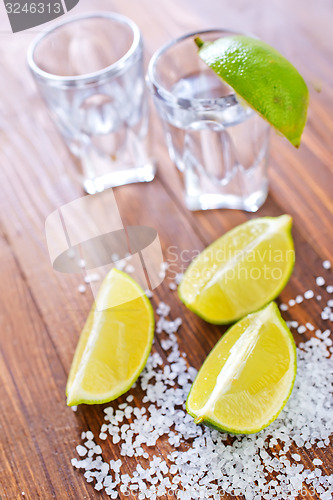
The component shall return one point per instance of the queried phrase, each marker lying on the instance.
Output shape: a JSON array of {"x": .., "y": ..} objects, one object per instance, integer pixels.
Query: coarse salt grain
[
  {"x": 283, "y": 307},
  {"x": 178, "y": 278},
  {"x": 81, "y": 288},
  {"x": 320, "y": 281},
  {"x": 308, "y": 294},
  {"x": 81, "y": 450},
  {"x": 291, "y": 302},
  {"x": 326, "y": 264},
  {"x": 129, "y": 268},
  {"x": 90, "y": 278}
]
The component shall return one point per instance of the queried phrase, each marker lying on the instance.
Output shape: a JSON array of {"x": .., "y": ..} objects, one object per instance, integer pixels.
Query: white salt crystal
[
  {"x": 90, "y": 278},
  {"x": 81, "y": 263},
  {"x": 81, "y": 288},
  {"x": 129, "y": 269},
  {"x": 296, "y": 457},
  {"x": 308, "y": 294},
  {"x": 320, "y": 281},
  {"x": 283, "y": 307},
  {"x": 89, "y": 435},
  {"x": 291, "y": 302},
  {"x": 105, "y": 468},
  {"x": 326, "y": 264},
  {"x": 172, "y": 286},
  {"x": 317, "y": 461},
  {"x": 299, "y": 299},
  {"x": 163, "y": 309},
  {"x": 149, "y": 293},
  {"x": 81, "y": 450},
  {"x": 309, "y": 326},
  {"x": 74, "y": 408},
  {"x": 178, "y": 278},
  {"x": 120, "y": 264},
  {"x": 301, "y": 329}
]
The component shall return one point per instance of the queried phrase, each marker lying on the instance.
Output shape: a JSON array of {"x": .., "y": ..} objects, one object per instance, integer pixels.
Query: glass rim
[
  {"x": 165, "y": 95},
  {"x": 110, "y": 70}
]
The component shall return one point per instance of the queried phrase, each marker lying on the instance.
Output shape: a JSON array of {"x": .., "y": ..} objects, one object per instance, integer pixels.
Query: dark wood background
[{"x": 41, "y": 311}]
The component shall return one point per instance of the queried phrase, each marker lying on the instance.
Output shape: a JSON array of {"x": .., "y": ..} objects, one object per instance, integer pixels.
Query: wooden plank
[{"x": 42, "y": 312}]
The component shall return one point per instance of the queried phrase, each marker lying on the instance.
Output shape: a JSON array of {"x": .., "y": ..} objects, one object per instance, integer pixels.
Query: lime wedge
[
  {"x": 248, "y": 377},
  {"x": 241, "y": 271},
  {"x": 115, "y": 342},
  {"x": 267, "y": 81}
]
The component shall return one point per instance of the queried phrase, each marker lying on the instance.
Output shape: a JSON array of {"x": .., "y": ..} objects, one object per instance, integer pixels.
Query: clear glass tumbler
[
  {"x": 89, "y": 70},
  {"x": 219, "y": 144}
]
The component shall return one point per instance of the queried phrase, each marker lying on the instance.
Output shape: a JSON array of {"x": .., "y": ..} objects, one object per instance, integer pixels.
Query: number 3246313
[{"x": 33, "y": 8}]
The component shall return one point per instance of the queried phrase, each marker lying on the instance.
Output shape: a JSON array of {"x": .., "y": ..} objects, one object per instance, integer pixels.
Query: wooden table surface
[{"x": 41, "y": 311}]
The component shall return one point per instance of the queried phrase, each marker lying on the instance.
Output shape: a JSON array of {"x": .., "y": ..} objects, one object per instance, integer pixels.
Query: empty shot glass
[
  {"x": 219, "y": 144},
  {"x": 89, "y": 70}
]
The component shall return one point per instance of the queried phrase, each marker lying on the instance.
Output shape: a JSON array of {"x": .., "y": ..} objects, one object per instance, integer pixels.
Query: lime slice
[
  {"x": 115, "y": 342},
  {"x": 263, "y": 78},
  {"x": 241, "y": 271},
  {"x": 248, "y": 377}
]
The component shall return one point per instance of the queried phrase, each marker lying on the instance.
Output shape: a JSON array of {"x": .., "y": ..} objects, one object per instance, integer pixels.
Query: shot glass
[
  {"x": 89, "y": 71},
  {"x": 219, "y": 144}
]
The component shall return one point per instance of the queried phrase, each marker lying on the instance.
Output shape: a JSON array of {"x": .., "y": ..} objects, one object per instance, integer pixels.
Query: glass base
[
  {"x": 214, "y": 201},
  {"x": 146, "y": 173}
]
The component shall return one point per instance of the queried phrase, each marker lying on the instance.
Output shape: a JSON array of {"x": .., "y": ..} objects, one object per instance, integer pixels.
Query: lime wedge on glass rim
[
  {"x": 114, "y": 344},
  {"x": 263, "y": 78},
  {"x": 248, "y": 376},
  {"x": 240, "y": 272}
]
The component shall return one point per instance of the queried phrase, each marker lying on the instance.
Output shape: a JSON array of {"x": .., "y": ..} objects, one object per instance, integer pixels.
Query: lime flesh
[
  {"x": 241, "y": 271},
  {"x": 267, "y": 81},
  {"x": 115, "y": 342},
  {"x": 248, "y": 377}
]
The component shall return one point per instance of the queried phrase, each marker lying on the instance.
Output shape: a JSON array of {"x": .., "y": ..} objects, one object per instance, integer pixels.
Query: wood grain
[{"x": 41, "y": 312}]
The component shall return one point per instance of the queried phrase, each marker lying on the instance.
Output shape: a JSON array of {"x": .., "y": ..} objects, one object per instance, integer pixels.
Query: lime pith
[
  {"x": 248, "y": 377},
  {"x": 241, "y": 271},
  {"x": 114, "y": 344}
]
